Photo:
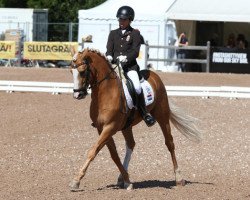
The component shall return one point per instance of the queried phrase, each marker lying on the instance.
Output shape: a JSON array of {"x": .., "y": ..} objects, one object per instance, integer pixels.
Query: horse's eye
[{"x": 82, "y": 74}]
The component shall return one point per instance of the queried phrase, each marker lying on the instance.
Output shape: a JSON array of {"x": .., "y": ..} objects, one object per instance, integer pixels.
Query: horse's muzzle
[{"x": 79, "y": 94}]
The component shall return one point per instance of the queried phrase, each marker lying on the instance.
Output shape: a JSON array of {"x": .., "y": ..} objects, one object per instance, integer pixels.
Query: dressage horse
[{"x": 109, "y": 112}]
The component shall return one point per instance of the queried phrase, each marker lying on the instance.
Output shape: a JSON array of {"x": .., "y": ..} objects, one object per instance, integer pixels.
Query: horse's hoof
[
  {"x": 181, "y": 183},
  {"x": 74, "y": 185},
  {"x": 120, "y": 182},
  {"x": 128, "y": 186}
]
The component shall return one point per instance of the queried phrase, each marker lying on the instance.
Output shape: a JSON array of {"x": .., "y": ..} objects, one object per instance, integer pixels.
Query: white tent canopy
[
  {"x": 210, "y": 10},
  {"x": 144, "y": 10}
]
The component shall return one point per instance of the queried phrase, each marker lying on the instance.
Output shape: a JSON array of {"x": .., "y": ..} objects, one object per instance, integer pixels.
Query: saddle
[
  {"x": 130, "y": 92},
  {"x": 143, "y": 76}
]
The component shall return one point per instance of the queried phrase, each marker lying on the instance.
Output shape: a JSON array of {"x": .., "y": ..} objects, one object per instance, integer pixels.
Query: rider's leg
[{"x": 133, "y": 75}]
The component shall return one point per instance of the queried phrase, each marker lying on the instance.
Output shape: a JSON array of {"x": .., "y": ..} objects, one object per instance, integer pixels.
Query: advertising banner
[
  {"x": 229, "y": 60},
  {"x": 49, "y": 50},
  {"x": 7, "y": 49}
]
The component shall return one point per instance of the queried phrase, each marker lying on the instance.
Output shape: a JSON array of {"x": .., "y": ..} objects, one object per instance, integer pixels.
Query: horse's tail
[{"x": 185, "y": 124}]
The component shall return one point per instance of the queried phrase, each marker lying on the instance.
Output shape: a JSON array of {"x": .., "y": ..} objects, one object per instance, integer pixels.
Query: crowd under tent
[
  {"x": 215, "y": 21},
  {"x": 210, "y": 20}
]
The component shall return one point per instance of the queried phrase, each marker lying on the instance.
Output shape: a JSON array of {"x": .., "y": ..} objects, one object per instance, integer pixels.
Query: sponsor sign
[
  {"x": 49, "y": 50},
  {"x": 230, "y": 60},
  {"x": 7, "y": 49}
]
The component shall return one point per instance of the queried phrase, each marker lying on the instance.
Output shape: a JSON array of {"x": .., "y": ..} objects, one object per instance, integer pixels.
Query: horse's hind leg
[
  {"x": 162, "y": 117},
  {"x": 124, "y": 174},
  {"x": 130, "y": 144},
  {"x": 171, "y": 147}
]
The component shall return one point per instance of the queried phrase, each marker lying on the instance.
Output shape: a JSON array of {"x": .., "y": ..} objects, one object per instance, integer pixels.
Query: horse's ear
[{"x": 72, "y": 51}]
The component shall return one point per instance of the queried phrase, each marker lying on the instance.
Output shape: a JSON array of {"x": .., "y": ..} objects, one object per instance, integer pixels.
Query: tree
[
  {"x": 13, "y": 3},
  {"x": 58, "y": 12},
  {"x": 1, "y": 4},
  {"x": 63, "y": 12}
]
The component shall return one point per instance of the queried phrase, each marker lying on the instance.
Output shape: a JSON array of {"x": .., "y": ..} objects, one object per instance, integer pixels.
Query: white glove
[
  {"x": 109, "y": 58},
  {"x": 122, "y": 58}
]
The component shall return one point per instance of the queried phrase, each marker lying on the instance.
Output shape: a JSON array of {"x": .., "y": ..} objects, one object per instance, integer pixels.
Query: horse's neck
[{"x": 106, "y": 83}]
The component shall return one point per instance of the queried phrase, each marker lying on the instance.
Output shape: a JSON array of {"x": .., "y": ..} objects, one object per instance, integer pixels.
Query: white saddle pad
[{"x": 147, "y": 91}]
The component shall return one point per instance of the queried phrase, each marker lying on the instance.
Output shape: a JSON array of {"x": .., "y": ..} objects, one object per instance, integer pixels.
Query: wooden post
[{"x": 208, "y": 57}]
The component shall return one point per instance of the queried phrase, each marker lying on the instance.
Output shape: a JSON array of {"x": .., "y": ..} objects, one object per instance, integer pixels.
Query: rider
[{"x": 124, "y": 45}]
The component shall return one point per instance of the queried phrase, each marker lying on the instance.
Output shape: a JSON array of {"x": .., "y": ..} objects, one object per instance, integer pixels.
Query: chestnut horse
[{"x": 109, "y": 113}]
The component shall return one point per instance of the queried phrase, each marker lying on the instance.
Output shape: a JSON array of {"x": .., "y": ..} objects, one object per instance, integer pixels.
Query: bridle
[
  {"x": 86, "y": 84},
  {"x": 87, "y": 73}
]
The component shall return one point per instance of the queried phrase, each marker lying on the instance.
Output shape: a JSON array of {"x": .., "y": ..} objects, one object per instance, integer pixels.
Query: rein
[{"x": 106, "y": 77}]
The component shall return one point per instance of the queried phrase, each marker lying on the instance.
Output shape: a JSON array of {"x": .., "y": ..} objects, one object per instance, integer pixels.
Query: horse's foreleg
[
  {"x": 103, "y": 138},
  {"x": 114, "y": 155},
  {"x": 130, "y": 144}
]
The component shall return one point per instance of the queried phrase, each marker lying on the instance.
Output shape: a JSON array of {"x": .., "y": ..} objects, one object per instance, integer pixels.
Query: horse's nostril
[
  {"x": 75, "y": 95},
  {"x": 79, "y": 95}
]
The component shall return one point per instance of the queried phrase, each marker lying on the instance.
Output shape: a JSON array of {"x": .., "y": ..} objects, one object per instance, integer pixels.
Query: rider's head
[{"x": 125, "y": 15}]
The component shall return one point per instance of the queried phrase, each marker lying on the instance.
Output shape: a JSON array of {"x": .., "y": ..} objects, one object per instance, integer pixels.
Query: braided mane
[{"x": 97, "y": 51}]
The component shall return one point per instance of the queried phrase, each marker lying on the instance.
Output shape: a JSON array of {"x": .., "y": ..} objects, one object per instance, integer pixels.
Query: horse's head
[
  {"x": 80, "y": 69},
  {"x": 89, "y": 68}
]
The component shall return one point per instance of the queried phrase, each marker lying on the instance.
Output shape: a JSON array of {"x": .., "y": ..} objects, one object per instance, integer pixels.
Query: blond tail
[{"x": 185, "y": 124}]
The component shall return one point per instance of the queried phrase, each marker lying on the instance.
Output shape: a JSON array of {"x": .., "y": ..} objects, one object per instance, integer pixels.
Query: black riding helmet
[{"x": 126, "y": 12}]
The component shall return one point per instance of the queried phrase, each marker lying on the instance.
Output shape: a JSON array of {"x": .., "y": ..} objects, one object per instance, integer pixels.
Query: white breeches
[{"x": 135, "y": 79}]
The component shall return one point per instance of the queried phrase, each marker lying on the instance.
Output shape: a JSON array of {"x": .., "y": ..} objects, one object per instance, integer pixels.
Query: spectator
[
  {"x": 181, "y": 53},
  {"x": 231, "y": 42},
  {"x": 241, "y": 41},
  {"x": 241, "y": 44},
  {"x": 214, "y": 41}
]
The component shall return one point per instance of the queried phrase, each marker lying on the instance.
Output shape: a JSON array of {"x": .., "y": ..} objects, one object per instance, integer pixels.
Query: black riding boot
[{"x": 150, "y": 121}]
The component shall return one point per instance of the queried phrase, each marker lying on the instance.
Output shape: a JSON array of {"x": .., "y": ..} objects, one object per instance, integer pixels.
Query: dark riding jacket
[{"x": 127, "y": 44}]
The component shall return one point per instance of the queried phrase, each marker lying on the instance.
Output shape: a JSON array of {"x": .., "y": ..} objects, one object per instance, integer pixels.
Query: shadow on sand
[{"x": 155, "y": 184}]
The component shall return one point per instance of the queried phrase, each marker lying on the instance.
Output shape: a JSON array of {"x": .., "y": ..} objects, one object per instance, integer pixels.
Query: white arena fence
[
  {"x": 58, "y": 88},
  {"x": 31, "y": 86}
]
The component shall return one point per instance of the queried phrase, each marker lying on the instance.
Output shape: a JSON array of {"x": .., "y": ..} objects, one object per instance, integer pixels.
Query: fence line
[
  {"x": 206, "y": 92},
  {"x": 31, "y": 86},
  {"x": 201, "y": 61},
  {"x": 198, "y": 91}
]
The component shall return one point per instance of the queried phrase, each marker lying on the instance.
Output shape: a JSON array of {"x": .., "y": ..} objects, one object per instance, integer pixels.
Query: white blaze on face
[
  {"x": 75, "y": 56},
  {"x": 76, "y": 81}
]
